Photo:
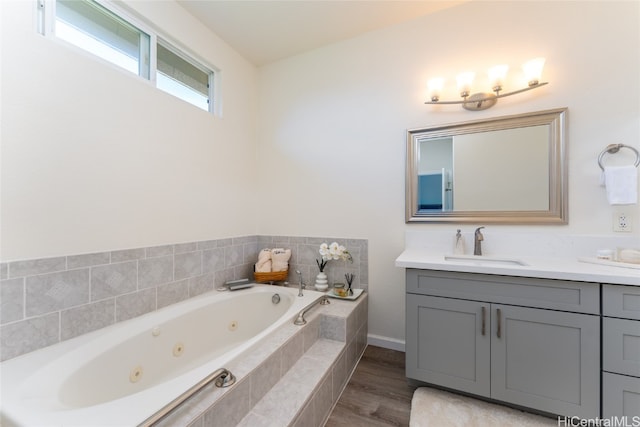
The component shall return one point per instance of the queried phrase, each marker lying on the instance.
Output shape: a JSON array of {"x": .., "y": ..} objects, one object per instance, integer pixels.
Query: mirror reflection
[{"x": 508, "y": 169}]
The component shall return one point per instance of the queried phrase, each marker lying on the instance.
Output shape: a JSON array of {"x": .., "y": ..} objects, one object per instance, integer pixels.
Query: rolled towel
[
  {"x": 264, "y": 261},
  {"x": 280, "y": 258},
  {"x": 629, "y": 255}
]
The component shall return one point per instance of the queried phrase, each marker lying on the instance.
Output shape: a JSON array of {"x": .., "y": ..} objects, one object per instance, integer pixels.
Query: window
[
  {"x": 182, "y": 78},
  {"x": 98, "y": 28},
  {"x": 93, "y": 28}
]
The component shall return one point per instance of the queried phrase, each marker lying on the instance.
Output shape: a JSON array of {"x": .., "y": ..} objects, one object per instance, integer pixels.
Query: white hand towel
[
  {"x": 622, "y": 184},
  {"x": 280, "y": 258},
  {"x": 264, "y": 261}
]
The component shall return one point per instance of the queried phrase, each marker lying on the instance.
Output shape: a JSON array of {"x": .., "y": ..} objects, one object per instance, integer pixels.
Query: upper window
[
  {"x": 101, "y": 30},
  {"x": 181, "y": 77},
  {"x": 93, "y": 28}
]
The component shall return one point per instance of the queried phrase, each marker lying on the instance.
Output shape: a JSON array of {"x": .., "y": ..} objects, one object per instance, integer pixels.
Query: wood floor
[{"x": 377, "y": 394}]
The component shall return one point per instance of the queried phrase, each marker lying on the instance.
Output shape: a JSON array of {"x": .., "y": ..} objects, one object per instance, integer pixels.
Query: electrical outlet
[{"x": 622, "y": 222}]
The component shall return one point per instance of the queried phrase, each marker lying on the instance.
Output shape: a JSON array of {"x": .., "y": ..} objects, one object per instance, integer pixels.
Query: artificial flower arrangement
[{"x": 334, "y": 251}]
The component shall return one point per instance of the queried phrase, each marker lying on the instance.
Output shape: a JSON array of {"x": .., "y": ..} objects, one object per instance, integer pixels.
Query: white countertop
[{"x": 562, "y": 268}]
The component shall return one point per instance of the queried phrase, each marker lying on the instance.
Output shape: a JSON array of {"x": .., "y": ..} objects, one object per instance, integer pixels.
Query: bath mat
[{"x": 436, "y": 408}]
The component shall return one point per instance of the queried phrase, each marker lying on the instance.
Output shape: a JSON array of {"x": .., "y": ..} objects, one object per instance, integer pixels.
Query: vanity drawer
[
  {"x": 621, "y": 346},
  {"x": 621, "y": 301},
  {"x": 579, "y": 297},
  {"x": 620, "y": 396}
]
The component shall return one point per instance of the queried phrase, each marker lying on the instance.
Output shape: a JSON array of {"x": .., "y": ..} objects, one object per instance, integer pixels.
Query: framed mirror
[{"x": 509, "y": 170}]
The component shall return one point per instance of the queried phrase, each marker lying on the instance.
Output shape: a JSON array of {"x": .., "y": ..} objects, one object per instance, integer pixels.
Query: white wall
[
  {"x": 94, "y": 158},
  {"x": 332, "y": 122},
  {"x": 435, "y": 154},
  {"x": 516, "y": 179}
]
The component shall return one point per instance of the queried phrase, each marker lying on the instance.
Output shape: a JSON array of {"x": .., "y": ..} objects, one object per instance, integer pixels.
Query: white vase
[{"x": 322, "y": 284}]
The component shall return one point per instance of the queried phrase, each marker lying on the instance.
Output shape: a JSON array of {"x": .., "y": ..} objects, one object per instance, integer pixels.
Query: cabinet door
[
  {"x": 620, "y": 397},
  {"x": 445, "y": 343},
  {"x": 546, "y": 360},
  {"x": 621, "y": 346},
  {"x": 621, "y": 301}
]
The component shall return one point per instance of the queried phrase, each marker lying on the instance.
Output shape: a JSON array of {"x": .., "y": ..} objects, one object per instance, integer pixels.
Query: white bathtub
[{"x": 121, "y": 375}]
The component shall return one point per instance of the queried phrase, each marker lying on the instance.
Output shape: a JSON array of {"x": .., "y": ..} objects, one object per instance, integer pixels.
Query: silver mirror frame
[{"x": 558, "y": 197}]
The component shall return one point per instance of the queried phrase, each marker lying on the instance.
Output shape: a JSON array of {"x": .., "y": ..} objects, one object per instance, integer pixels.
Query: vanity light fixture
[{"x": 483, "y": 100}]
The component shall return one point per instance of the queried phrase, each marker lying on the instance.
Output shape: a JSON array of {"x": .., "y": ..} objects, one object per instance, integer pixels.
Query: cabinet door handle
[
  {"x": 499, "y": 314},
  {"x": 484, "y": 311}
]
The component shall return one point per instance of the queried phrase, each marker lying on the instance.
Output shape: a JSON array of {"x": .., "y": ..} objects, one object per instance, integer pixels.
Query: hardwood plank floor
[{"x": 377, "y": 394}]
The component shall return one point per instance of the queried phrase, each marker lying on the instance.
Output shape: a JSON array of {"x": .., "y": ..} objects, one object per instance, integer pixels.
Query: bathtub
[{"x": 123, "y": 374}]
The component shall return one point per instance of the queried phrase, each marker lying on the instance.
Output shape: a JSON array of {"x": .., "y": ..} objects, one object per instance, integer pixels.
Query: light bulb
[
  {"x": 533, "y": 70},
  {"x": 435, "y": 88},
  {"x": 497, "y": 75},
  {"x": 464, "y": 82}
]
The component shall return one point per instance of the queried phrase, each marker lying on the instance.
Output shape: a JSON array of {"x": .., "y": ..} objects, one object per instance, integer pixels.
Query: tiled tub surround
[
  {"x": 122, "y": 374},
  {"x": 304, "y": 252},
  {"x": 45, "y": 301},
  {"x": 293, "y": 379},
  {"x": 306, "y": 367}
]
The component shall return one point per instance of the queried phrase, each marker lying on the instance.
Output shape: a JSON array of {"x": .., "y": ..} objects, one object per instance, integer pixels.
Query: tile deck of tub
[{"x": 292, "y": 379}]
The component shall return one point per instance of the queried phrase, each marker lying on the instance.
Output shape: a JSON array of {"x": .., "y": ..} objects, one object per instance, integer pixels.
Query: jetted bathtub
[{"x": 123, "y": 374}]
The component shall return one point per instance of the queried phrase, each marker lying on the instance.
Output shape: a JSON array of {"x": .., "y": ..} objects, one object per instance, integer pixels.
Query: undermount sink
[{"x": 483, "y": 260}]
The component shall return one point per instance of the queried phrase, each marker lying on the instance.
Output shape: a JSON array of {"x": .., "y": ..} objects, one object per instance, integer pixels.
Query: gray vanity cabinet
[
  {"x": 448, "y": 344},
  {"x": 547, "y": 360},
  {"x": 621, "y": 351},
  {"x": 505, "y": 338}
]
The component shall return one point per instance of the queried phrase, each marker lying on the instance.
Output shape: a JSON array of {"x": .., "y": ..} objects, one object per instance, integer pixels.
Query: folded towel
[
  {"x": 280, "y": 258},
  {"x": 264, "y": 261},
  {"x": 622, "y": 184},
  {"x": 631, "y": 256}
]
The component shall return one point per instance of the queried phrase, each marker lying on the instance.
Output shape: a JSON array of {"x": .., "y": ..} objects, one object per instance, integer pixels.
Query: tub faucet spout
[
  {"x": 302, "y": 285},
  {"x": 477, "y": 239}
]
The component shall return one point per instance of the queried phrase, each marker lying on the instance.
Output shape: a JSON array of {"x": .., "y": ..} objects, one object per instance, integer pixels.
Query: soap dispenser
[{"x": 458, "y": 248}]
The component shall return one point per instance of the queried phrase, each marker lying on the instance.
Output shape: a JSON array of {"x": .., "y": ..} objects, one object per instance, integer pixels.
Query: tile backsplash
[
  {"x": 516, "y": 244},
  {"x": 45, "y": 301}
]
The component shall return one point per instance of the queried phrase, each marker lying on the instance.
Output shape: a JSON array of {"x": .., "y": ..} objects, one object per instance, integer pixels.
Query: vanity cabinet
[
  {"x": 620, "y": 351},
  {"x": 530, "y": 342}
]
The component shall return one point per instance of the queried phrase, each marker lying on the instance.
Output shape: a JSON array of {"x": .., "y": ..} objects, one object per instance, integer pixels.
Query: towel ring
[{"x": 614, "y": 148}]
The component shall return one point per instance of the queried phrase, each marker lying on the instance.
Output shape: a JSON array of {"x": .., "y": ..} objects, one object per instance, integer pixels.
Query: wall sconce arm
[{"x": 482, "y": 101}]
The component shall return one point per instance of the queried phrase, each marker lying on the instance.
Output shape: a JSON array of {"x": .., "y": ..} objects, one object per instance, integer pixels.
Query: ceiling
[{"x": 263, "y": 31}]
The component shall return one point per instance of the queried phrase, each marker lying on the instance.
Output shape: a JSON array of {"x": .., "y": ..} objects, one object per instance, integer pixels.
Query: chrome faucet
[
  {"x": 302, "y": 285},
  {"x": 477, "y": 241}
]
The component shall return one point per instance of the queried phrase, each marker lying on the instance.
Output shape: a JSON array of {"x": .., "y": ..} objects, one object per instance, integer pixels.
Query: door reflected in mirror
[{"x": 502, "y": 170}]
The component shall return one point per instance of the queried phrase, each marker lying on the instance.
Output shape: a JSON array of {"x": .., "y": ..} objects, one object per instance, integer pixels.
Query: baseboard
[{"x": 385, "y": 342}]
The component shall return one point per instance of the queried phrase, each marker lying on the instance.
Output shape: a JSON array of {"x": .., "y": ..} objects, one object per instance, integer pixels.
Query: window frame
[{"x": 46, "y": 22}]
